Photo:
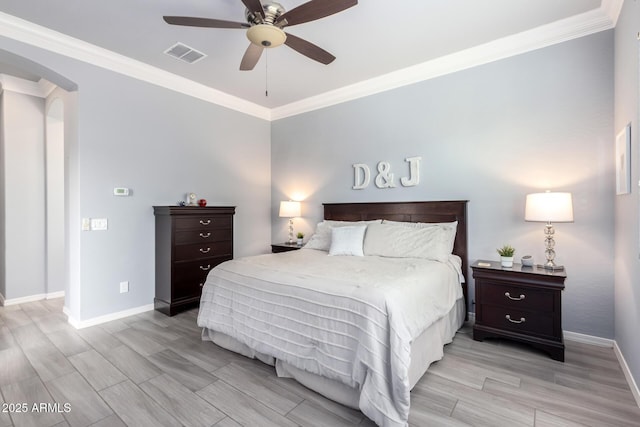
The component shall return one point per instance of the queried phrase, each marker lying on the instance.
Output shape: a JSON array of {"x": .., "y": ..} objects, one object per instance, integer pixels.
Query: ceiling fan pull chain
[{"x": 266, "y": 73}]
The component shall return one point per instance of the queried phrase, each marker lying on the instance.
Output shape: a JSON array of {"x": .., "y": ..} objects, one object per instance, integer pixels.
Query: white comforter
[{"x": 351, "y": 319}]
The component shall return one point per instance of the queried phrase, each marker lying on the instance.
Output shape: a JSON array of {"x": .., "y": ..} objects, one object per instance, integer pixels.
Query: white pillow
[
  {"x": 347, "y": 240},
  {"x": 399, "y": 241},
  {"x": 453, "y": 224},
  {"x": 321, "y": 238}
]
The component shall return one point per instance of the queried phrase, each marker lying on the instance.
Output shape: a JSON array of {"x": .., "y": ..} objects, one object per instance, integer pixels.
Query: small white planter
[
  {"x": 300, "y": 242},
  {"x": 506, "y": 261}
]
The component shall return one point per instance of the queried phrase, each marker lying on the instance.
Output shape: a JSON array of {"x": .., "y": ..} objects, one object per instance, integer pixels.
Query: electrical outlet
[{"x": 124, "y": 287}]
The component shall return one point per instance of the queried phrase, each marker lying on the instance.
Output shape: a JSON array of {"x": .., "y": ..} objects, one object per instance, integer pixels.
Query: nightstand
[
  {"x": 520, "y": 303},
  {"x": 284, "y": 247}
]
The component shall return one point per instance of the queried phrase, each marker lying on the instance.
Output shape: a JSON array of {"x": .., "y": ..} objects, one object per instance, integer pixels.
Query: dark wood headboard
[{"x": 437, "y": 211}]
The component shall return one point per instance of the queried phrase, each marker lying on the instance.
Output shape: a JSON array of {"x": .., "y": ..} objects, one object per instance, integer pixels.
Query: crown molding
[
  {"x": 603, "y": 18},
  {"x": 612, "y": 9},
  {"x": 45, "y": 38},
  {"x": 584, "y": 24}
]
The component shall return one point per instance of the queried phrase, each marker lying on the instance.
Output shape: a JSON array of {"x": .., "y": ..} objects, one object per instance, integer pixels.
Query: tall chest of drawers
[
  {"x": 520, "y": 303},
  {"x": 190, "y": 241}
]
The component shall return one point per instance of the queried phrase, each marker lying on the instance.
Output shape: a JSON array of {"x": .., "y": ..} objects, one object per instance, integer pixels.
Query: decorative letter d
[{"x": 361, "y": 176}]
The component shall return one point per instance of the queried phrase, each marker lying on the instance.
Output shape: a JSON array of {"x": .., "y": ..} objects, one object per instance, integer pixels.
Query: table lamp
[
  {"x": 549, "y": 207},
  {"x": 290, "y": 210}
]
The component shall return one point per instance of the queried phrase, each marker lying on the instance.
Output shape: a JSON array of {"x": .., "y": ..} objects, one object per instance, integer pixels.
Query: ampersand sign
[{"x": 384, "y": 179}]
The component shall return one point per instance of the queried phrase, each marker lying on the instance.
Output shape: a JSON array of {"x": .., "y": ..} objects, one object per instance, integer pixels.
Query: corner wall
[
  {"x": 24, "y": 195},
  {"x": 627, "y": 210},
  {"x": 3, "y": 283}
]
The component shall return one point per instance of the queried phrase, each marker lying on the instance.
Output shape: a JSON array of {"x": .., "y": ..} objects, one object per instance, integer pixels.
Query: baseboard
[
  {"x": 627, "y": 373},
  {"x": 80, "y": 324},
  {"x": 588, "y": 339},
  {"x": 13, "y": 301}
]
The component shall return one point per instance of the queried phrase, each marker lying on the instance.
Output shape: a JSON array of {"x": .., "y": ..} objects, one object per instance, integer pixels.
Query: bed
[{"x": 360, "y": 330}]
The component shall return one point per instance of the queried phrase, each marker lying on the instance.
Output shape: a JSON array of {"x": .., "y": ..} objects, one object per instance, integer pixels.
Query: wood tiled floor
[{"x": 152, "y": 370}]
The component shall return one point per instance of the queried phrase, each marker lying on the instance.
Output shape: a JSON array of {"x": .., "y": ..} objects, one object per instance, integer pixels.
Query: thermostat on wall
[{"x": 120, "y": 191}]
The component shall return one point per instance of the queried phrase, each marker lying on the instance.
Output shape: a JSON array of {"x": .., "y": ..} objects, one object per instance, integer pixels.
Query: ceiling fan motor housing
[
  {"x": 272, "y": 11},
  {"x": 263, "y": 32}
]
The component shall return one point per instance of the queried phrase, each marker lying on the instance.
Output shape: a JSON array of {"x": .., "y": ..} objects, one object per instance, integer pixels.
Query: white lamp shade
[
  {"x": 549, "y": 207},
  {"x": 289, "y": 209}
]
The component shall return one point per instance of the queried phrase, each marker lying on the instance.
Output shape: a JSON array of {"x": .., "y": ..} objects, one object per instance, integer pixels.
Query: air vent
[{"x": 184, "y": 53}]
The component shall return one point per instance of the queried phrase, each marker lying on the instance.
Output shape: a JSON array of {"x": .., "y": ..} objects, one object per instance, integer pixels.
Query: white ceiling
[{"x": 371, "y": 40}]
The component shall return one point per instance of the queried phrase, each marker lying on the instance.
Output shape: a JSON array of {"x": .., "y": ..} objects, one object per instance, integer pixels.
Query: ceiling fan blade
[
  {"x": 251, "y": 57},
  {"x": 254, "y": 6},
  {"x": 203, "y": 22},
  {"x": 309, "y": 49},
  {"x": 314, "y": 9}
]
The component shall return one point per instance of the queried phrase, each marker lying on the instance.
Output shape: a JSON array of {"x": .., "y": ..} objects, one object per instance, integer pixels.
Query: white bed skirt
[{"x": 425, "y": 349}]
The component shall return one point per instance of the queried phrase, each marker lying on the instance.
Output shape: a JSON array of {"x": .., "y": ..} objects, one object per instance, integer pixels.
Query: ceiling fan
[{"x": 265, "y": 23}]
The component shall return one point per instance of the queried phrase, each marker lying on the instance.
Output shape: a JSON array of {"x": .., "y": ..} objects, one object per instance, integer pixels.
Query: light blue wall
[
  {"x": 3, "y": 283},
  {"x": 24, "y": 195},
  {"x": 491, "y": 134},
  {"x": 161, "y": 145},
  {"x": 627, "y": 232}
]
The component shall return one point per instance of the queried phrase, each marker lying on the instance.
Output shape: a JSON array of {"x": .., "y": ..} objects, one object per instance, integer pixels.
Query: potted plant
[
  {"x": 300, "y": 236},
  {"x": 506, "y": 255}
]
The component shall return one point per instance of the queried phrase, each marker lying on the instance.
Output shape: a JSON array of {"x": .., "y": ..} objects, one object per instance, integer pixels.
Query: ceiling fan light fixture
[{"x": 266, "y": 35}]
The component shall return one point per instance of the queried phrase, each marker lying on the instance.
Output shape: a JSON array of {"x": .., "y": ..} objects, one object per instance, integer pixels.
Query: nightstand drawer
[
  {"x": 203, "y": 236},
  {"x": 517, "y": 297},
  {"x": 526, "y": 322},
  {"x": 204, "y": 222},
  {"x": 203, "y": 250}
]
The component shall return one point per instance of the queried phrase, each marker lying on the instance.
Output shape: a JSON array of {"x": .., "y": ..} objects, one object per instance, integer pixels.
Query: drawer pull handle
[
  {"x": 207, "y": 222},
  {"x": 201, "y": 284},
  {"x": 205, "y": 251},
  {"x": 207, "y": 268},
  {"x": 508, "y": 317},
  {"x": 204, "y": 236},
  {"x": 508, "y": 295}
]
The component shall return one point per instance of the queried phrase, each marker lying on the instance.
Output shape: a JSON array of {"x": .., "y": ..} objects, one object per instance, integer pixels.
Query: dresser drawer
[
  {"x": 189, "y": 277},
  {"x": 196, "y": 269},
  {"x": 203, "y": 236},
  {"x": 523, "y": 321},
  {"x": 204, "y": 222},
  {"x": 203, "y": 250},
  {"x": 516, "y": 297}
]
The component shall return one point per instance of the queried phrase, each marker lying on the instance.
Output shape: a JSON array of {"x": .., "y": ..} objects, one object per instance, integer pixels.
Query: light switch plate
[
  {"x": 99, "y": 224},
  {"x": 86, "y": 224}
]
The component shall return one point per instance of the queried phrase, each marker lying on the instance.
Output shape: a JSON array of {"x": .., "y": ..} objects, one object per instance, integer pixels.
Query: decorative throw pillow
[
  {"x": 321, "y": 238},
  {"x": 347, "y": 240}
]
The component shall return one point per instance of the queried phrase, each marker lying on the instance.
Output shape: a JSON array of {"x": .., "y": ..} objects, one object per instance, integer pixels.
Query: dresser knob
[
  {"x": 508, "y": 295},
  {"x": 508, "y": 317},
  {"x": 204, "y": 236},
  {"x": 205, "y": 251},
  {"x": 207, "y": 268},
  {"x": 207, "y": 222},
  {"x": 201, "y": 284}
]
